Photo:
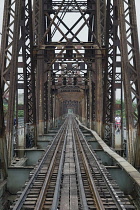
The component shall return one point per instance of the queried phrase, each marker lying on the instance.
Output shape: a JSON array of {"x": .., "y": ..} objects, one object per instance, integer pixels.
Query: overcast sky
[{"x": 137, "y": 8}]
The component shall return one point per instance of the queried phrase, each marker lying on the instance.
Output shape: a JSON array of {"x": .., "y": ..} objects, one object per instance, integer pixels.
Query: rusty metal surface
[
  {"x": 46, "y": 55},
  {"x": 17, "y": 65},
  {"x": 112, "y": 74},
  {"x": 3, "y": 149},
  {"x": 131, "y": 74},
  {"x": 10, "y": 63}
]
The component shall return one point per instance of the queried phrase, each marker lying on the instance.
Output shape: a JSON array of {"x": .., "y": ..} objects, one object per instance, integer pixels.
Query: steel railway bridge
[{"x": 67, "y": 67}]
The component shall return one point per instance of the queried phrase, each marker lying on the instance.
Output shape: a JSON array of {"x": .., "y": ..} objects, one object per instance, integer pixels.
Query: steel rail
[
  {"x": 81, "y": 187},
  {"x": 25, "y": 192},
  {"x": 58, "y": 182},
  {"x": 97, "y": 198},
  {"x": 41, "y": 198},
  {"x": 117, "y": 201}
]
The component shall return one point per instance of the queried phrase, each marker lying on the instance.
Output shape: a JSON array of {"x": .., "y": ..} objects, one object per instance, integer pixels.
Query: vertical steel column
[
  {"x": 49, "y": 100},
  {"x": 46, "y": 106},
  {"x": 99, "y": 72},
  {"x": 26, "y": 47},
  {"x": 103, "y": 21},
  {"x": 9, "y": 52},
  {"x": 42, "y": 36},
  {"x": 89, "y": 98},
  {"x": 3, "y": 145},
  {"x": 90, "y": 101},
  {"x": 48, "y": 59},
  {"x": 52, "y": 103},
  {"x": 93, "y": 104},
  {"x": 36, "y": 32},
  {"x": 36, "y": 14},
  {"x": 29, "y": 74},
  {"x": 83, "y": 111},
  {"x": 16, "y": 36},
  {"x": 56, "y": 111},
  {"x": 54, "y": 107},
  {"x": 111, "y": 75},
  {"x": 85, "y": 107},
  {"x": 131, "y": 75},
  {"x": 39, "y": 40}
]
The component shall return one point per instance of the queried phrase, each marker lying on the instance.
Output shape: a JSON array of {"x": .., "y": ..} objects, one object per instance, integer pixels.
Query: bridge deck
[
  {"x": 135, "y": 175},
  {"x": 71, "y": 175}
]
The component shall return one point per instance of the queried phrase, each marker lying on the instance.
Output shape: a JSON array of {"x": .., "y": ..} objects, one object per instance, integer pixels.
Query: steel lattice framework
[
  {"x": 47, "y": 58},
  {"x": 17, "y": 70}
]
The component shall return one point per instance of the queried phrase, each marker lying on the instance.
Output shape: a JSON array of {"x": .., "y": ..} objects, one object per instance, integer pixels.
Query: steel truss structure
[{"x": 73, "y": 55}]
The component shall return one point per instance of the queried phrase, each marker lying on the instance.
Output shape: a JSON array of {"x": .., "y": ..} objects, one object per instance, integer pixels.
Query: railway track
[{"x": 70, "y": 176}]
